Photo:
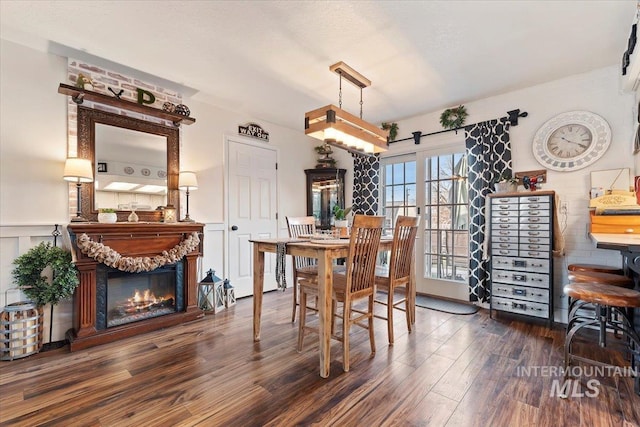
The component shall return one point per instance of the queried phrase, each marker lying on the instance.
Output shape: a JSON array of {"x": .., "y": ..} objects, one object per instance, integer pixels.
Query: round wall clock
[{"x": 571, "y": 140}]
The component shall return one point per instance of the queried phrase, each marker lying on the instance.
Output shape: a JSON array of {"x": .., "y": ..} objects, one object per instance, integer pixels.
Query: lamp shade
[
  {"x": 78, "y": 170},
  {"x": 188, "y": 181}
]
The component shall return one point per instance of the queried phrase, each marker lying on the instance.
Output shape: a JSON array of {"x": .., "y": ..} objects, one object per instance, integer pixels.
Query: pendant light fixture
[{"x": 336, "y": 127}]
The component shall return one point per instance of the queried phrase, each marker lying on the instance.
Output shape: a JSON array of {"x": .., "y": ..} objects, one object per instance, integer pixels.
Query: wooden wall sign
[{"x": 254, "y": 131}]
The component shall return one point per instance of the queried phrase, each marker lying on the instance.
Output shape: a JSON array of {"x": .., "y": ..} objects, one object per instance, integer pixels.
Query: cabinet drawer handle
[
  {"x": 534, "y": 220},
  {"x": 503, "y": 213},
  {"x": 504, "y": 207},
  {"x": 504, "y": 252},
  {"x": 504, "y": 200},
  {"x": 534, "y": 246},
  {"x": 534, "y": 213},
  {"x": 532, "y": 199},
  {"x": 534, "y": 233},
  {"x": 534, "y": 205},
  {"x": 533, "y": 253},
  {"x": 504, "y": 219},
  {"x": 534, "y": 226},
  {"x": 504, "y": 226},
  {"x": 504, "y": 245},
  {"x": 536, "y": 265},
  {"x": 534, "y": 240},
  {"x": 504, "y": 233},
  {"x": 504, "y": 239}
]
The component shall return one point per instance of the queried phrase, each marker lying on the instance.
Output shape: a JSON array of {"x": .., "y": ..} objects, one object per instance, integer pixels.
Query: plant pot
[
  {"x": 342, "y": 225},
  {"x": 505, "y": 187},
  {"x": 107, "y": 217}
]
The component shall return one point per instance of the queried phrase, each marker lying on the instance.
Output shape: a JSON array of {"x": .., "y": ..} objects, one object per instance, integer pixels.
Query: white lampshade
[
  {"x": 188, "y": 181},
  {"x": 78, "y": 170}
]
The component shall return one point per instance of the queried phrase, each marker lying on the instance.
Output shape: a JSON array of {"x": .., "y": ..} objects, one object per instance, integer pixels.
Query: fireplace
[
  {"x": 123, "y": 298},
  {"x": 110, "y": 304}
]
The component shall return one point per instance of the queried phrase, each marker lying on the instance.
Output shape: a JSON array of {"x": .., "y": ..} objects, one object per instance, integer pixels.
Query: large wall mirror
[{"x": 136, "y": 164}]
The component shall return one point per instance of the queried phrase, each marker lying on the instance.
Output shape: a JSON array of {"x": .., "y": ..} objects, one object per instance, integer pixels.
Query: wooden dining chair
[
  {"x": 302, "y": 267},
  {"x": 354, "y": 284},
  {"x": 398, "y": 275}
]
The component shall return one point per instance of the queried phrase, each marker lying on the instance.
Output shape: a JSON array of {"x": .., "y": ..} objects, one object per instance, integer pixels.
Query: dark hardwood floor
[{"x": 451, "y": 371}]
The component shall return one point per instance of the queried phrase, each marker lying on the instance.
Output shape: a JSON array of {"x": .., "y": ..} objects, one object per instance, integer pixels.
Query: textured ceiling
[{"x": 270, "y": 59}]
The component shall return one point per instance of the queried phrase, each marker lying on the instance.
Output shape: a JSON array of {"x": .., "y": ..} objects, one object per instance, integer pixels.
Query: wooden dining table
[{"x": 325, "y": 253}]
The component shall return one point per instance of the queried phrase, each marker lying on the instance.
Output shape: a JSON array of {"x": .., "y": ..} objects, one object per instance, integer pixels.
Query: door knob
[{"x": 234, "y": 228}]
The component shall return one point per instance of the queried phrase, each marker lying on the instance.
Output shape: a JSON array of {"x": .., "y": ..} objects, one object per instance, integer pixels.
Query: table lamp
[
  {"x": 79, "y": 171},
  {"x": 187, "y": 181}
]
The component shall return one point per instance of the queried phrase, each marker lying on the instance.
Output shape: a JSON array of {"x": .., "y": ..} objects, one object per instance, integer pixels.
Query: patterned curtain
[
  {"x": 489, "y": 155},
  {"x": 366, "y": 179}
]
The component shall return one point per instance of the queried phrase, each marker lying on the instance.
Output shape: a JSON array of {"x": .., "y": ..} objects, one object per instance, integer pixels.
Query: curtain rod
[{"x": 513, "y": 118}]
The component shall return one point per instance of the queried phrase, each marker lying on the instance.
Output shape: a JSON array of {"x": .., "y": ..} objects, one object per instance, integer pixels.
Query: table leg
[
  {"x": 325, "y": 287},
  {"x": 258, "y": 282}
]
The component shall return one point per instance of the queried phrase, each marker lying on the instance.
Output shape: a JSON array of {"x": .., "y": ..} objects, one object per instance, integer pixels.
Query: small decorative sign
[
  {"x": 255, "y": 131},
  {"x": 102, "y": 167}
]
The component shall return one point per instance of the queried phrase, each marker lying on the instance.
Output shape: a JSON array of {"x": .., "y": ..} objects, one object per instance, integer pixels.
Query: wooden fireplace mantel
[{"x": 134, "y": 240}]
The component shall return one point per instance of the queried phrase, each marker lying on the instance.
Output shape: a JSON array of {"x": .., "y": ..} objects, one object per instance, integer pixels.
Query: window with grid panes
[
  {"x": 446, "y": 217},
  {"x": 399, "y": 192}
]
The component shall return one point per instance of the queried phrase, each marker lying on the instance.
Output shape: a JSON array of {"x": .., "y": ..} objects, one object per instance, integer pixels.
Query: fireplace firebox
[
  {"x": 123, "y": 298},
  {"x": 110, "y": 304}
]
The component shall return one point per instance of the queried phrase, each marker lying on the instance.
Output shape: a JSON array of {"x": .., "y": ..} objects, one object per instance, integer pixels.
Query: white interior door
[{"x": 252, "y": 210}]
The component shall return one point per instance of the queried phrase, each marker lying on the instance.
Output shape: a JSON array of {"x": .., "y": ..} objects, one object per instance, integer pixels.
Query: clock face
[{"x": 571, "y": 141}]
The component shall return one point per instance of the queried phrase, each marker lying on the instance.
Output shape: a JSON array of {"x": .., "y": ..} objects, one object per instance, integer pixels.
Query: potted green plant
[
  {"x": 505, "y": 183},
  {"x": 340, "y": 216},
  {"x": 392, "y": 128},
  {"x": 107, "y": 215},
  {"x": 59, "y": 281}
]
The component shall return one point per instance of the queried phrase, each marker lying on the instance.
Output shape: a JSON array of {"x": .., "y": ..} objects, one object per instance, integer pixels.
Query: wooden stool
[
  {"x": 607, "y": 299},
  {"x": 601, "y": 278},
  {"x": 595, "y": 268}
]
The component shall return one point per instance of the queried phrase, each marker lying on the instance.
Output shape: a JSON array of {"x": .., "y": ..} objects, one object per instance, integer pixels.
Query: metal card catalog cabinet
[{"x": 521, "y": 243}]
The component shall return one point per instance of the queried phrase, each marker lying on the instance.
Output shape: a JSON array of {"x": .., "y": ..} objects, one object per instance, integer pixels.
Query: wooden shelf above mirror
[{"x": 79, "y": 95}]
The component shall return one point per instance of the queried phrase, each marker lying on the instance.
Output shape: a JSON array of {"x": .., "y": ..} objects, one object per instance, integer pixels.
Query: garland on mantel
[{"x": 112, "y": 258}]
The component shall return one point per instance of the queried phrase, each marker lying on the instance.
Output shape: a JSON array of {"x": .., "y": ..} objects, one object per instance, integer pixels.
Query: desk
[
  {"x": 325, "y": 254},
  {"x": 629, "y": 247}
]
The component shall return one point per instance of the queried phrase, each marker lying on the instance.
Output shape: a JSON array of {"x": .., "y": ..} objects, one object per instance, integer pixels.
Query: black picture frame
[
  {"x": 102, "y": 167},
  {"x": 632, "y": 39}
]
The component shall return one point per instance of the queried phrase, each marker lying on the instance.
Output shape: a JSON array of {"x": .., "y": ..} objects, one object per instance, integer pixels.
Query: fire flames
[{"x": 144, "y": 301}]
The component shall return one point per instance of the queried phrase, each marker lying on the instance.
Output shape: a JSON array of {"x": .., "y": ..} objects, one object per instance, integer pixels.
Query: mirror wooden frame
[{"x": 87, "y": 119}]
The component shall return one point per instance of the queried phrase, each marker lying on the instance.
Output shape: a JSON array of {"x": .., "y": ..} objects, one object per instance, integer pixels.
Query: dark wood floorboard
[{"x": 450, "y": 371}]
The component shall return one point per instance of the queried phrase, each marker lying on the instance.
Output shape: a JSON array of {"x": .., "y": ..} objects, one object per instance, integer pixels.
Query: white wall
[{"x": 596, "y": 91}]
